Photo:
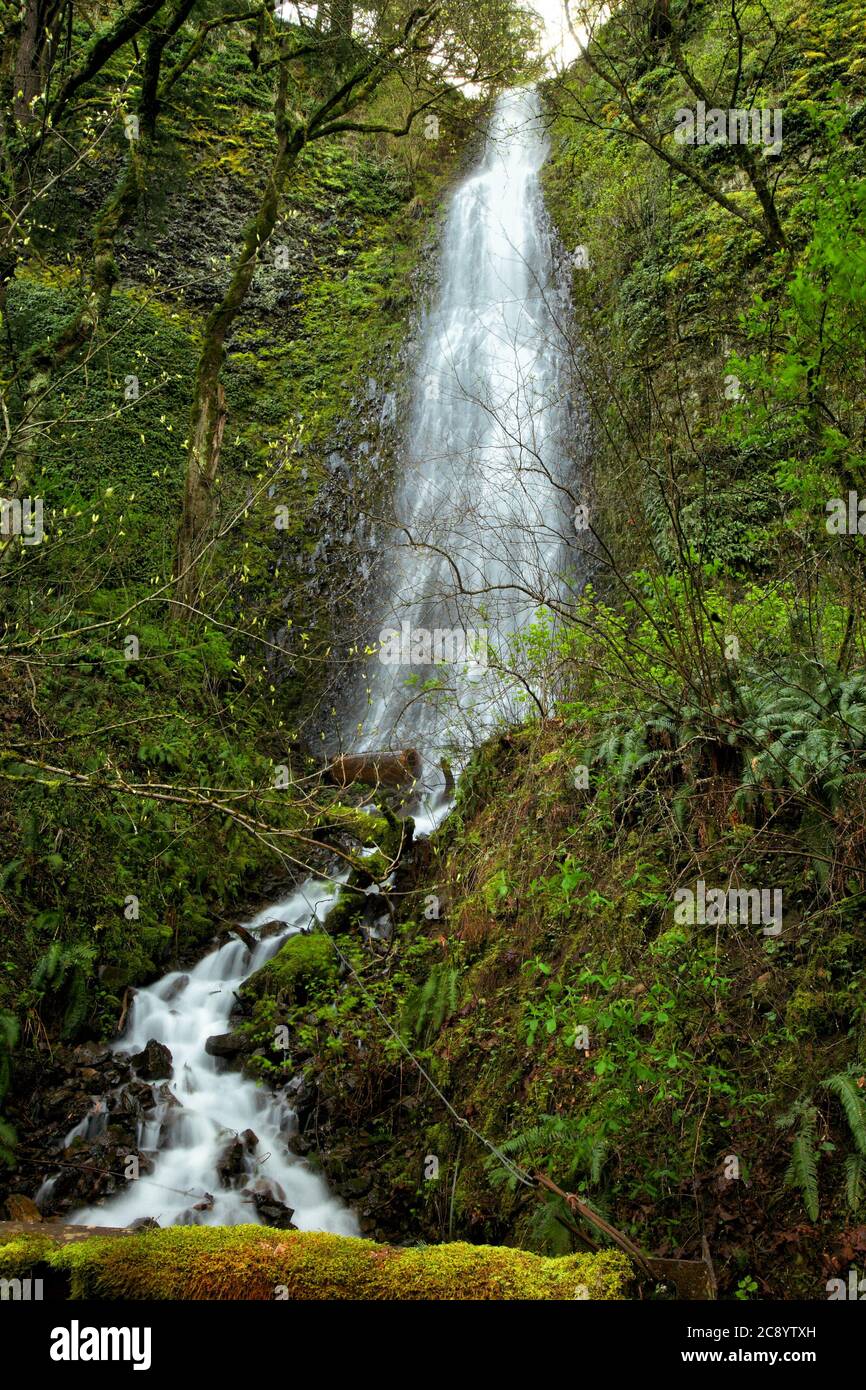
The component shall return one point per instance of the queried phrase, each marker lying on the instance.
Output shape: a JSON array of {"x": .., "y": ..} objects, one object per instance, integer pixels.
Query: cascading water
[
  {"x": 189, "y": 1138},
  {"x": 483, "y": 505},
  {"x": 481, "y": 514}
]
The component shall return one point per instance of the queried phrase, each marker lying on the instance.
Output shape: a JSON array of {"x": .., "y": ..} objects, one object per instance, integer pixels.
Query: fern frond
[
  {"x": 855, "y": 1176},
  {"x": 845, "y": 1087},
  {"x": 803, "y": 1170}
]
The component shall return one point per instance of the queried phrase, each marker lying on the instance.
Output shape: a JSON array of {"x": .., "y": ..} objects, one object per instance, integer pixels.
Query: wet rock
[
  {"x": 144, "y": 1223},
  {"x": 163, "y": 1095},
  {"x": 355, "y": 1187},
  {"x": 136, "y": 1096},
  {"x": 225, "y": 1044},
  {"x": 175, "y": 988},
  {"x": 90, "y": 1054},
  {"x": 249, "y": 1140},
  {"x": 302, "y": 1097},
  {"x": 154, "y": 1062},
  {"x": 244, "y": 935},
  {"x": 231, "y": 1163},
  {"x": 21, "y": 1208},
  {"x": 270, "y": 929},
  {"x": 273, "y": 1213}
]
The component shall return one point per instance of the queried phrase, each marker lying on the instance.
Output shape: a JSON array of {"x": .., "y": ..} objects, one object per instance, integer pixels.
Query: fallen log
[
  {"x": 375, "y": 769},
  {"x": 258, "y": 1262}
]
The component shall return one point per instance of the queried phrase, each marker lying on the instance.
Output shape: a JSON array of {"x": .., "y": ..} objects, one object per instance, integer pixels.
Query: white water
[
  {"x": 481, "y": 493},
  {"x": 482, "y": 511},
  {"x": 216, "y": 1105}
]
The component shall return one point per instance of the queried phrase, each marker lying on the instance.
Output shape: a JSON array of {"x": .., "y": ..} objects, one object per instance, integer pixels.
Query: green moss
[
  {"x": 22, "y": 1253},
  {"x": 250, "y": 1262},
  {"x": 301, "y": 969}
]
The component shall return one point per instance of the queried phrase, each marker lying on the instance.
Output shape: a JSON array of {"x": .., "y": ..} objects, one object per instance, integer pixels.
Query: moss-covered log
[{"x": 252, "y": 1262}]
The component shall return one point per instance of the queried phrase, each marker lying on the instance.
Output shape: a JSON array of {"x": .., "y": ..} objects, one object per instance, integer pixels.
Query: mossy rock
[
  {"x": 301, "y": 969},
  {"x": 251, "y": 1262}
]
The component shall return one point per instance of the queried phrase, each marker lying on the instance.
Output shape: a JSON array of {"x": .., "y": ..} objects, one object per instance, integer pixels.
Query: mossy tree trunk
[{"x": 208, "y": 409}]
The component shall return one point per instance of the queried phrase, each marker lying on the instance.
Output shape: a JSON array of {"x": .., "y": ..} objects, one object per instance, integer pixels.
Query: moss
[
  {"x": 22, "y": 1253},
  {"x": 301, "y": 969},
  {"x": 250, "y": 1262}
]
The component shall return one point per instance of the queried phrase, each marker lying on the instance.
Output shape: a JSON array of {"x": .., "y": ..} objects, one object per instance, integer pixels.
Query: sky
[{"x": 558, "y": 41}]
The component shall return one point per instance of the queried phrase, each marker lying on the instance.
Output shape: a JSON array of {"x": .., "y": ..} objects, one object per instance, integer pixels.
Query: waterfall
[
  {"x": 480, "y": 518},
  {"x": 482, "y": 508}
]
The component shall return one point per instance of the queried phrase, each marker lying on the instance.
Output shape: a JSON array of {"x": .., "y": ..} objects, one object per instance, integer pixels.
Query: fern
[
  {"x": 429, "y": 1006},
  {"x": 8, "y": 1039},
  {"x": 855, "y": 1174},
  {"x": 76, "y": 1003},
  {"x": 8, "y": 1139},
  {"x": 845, "y": 1087},
  {"x": 802, "y": 1171},
  {"x": 545, "y": 1232},
  {"x": 64, "y": 970},
  {"x": 557, "y": 1142},
  {"x": 45, "y": 972}
]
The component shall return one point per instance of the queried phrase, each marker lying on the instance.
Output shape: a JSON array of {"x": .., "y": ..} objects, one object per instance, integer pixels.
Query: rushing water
[
  {"x": 187, "y": 1140},
  {"x": 480, "y": 519},
  {"x": 481, "y": 509}
]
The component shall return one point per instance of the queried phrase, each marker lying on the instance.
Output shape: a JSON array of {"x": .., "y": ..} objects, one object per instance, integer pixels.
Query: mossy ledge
[{"x": 252, "y": 1262}]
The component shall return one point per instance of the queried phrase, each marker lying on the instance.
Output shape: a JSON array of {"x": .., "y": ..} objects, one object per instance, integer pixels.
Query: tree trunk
[{"x": 209, "y": 409}]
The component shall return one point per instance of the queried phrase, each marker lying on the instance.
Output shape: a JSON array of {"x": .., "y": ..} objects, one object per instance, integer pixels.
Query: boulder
[
  {"x": 21, "y": 1208},
  {"x": 270, "y": 929},
  {"x": 225, "y": 1044},
  {"x": 273, "y": 1213},
  {"x": 175, "y": 988},
  {"x": 154, "y": 1062},
  {"x": 376, "y": 769},
  {"x": 230, "y": 1164}
]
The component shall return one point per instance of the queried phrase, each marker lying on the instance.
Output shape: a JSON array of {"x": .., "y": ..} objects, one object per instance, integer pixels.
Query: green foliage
[
  {"x": 557, "y": 1144},
  {"x": 8, "y": 1038},
  {"x": 63, "y": 971},
  {"x": 429, "y": 1005},
  {"x": 304, "y": 968},
  {"x": 802, "y": 1171}
]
